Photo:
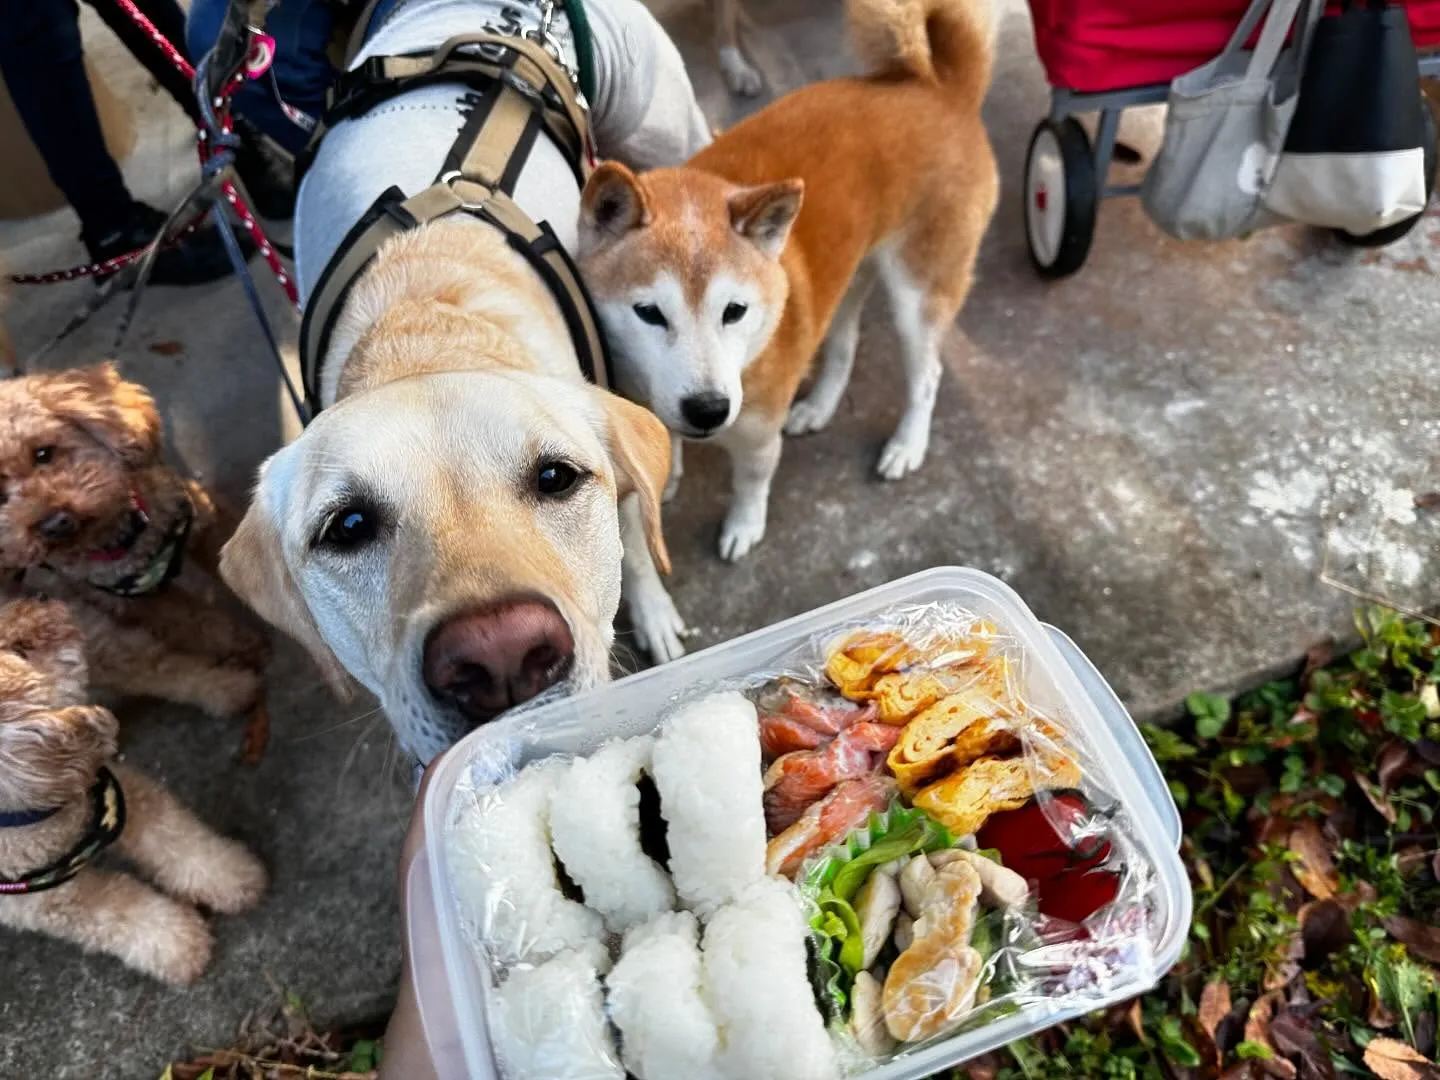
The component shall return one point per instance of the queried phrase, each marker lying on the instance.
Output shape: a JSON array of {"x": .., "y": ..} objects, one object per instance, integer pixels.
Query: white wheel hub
[{"x": 1045, "y": 197}]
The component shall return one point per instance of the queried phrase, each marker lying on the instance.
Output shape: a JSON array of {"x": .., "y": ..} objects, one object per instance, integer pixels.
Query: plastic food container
[{"x": 452, "y": 986}]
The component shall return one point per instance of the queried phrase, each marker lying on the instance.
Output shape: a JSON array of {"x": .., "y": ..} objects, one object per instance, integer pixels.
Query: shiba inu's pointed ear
[
  {"x": 252, "y": 563},
  {"x": 612, "y": 204},
  {"x": 640, "y": 449},
  {"x": 764, "y": 214}
]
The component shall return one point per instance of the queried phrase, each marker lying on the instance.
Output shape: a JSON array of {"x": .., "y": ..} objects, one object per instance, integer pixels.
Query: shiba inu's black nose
[{"x": 705, "y": 411}]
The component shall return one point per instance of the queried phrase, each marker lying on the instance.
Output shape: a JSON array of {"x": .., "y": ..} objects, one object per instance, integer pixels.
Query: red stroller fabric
[{"x": 1097, "y": 45}]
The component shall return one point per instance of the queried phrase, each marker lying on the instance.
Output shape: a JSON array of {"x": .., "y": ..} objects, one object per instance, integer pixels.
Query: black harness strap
[{"x": 107, "y": 821}]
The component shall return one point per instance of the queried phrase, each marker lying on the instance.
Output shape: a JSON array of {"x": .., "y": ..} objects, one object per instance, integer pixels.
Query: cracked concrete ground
[{"x": 1162, "y": 454}]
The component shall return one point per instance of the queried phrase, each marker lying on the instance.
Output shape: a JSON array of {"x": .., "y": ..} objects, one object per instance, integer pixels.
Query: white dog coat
[{"x": 645, "y": 114}]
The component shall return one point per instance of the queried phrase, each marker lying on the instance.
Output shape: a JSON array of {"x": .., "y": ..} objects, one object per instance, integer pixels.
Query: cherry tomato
[
  {"x": 1075, "y": 895},
  {"x": 1040, "y": 842}
]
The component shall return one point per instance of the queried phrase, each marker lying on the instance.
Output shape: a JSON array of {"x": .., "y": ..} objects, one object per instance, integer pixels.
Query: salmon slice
[
  {"x": 791, "y": 719},
  {"x": 798, "y": 779},
  {"x": 846, "y": 808}
]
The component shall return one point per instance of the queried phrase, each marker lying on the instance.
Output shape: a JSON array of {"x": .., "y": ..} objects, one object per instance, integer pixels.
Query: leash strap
[
  {"x": 107, "y": 822},
  {"x": 518, "y": 89}
]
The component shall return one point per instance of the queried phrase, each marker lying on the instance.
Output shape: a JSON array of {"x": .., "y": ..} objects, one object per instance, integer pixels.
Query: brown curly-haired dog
[
  {"x": 55, "y": 764},
  {"x": 90, "y": 514}
]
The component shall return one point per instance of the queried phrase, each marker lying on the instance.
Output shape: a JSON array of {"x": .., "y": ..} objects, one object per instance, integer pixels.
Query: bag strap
[{"x": 1279, "y": 16}]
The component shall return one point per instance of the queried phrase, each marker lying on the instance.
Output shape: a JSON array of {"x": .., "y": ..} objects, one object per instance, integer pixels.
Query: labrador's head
[{"x": 452, "y": 541}]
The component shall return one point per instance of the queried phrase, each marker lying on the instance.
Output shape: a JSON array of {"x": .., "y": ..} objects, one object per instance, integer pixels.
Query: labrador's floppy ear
[
  {"x": 639, "y": 446},
  {"x": 612, "y": 204},
  {"x": 252, "y": 563},
  {"x": 119, "y": 415}
]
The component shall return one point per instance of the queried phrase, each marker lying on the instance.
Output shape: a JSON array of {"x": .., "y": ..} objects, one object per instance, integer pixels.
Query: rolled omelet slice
[
  {"x": 950, "y": 734},
  {"x": 965, "y": 799},
  {"x": 858, "y": 662}
]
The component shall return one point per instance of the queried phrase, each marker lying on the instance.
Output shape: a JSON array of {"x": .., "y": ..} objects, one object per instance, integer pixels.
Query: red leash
[{"x": 257, "y": 62}]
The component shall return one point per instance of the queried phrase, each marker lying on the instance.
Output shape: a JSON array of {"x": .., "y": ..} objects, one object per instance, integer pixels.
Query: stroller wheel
[
  {"x": 1391, "y": 233},
  {"x": 1060, "y": 197}
]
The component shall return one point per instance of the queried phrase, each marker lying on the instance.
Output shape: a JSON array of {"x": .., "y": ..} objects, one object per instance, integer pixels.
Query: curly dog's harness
[{"x": 107, "y": 821}]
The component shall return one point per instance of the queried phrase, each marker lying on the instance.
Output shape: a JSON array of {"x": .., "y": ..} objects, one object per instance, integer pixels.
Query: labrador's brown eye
[
  {"x": 351, "y": 527},
  {"x": 555, "y": 478}
]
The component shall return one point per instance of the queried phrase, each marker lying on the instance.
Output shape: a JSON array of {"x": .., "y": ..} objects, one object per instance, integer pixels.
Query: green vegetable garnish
[{"x": 833, "y": 882}]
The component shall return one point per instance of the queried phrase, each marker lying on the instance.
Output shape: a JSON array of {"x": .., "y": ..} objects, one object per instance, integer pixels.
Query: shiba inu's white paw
[
  {"x": 902, "y": 455},
  {"x": 743, "y": 529},
  {"x": 740, "y": 75},
  {"x": 659, "y": 629},
  {"x": 808, "y": 415}
]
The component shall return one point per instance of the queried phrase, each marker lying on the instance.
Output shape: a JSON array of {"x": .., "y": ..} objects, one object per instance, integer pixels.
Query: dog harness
[
  {"x": 518, "y": 84},
  {"x": 163, "y": 565},
  {"x": 107, "y": 822}
]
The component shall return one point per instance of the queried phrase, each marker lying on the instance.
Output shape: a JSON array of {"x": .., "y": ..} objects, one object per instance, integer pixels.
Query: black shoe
[
  {"x": 267, "y": 172},
  {"x": 195, "y": 259}
]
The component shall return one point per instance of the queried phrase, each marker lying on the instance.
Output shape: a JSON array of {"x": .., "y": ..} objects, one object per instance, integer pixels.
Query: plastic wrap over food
[{"x": 883, "y": 839}]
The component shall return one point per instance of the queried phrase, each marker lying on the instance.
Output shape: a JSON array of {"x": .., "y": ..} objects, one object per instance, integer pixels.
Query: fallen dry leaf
[
  {"x": 1380, "y": 1016},
  {"x": 1324, "y": 928},
  {"x": 1136, "y": 1020},
  {"x": 1257, "y": 1030},
  {"x": 1391, "y": 1059},
  {"x": 1317, "y": 656},
  {"x": 1280, "y": 975},
  {"x": 1429, "y": 500},
  {"x": 1313, "y": 867},
  {"x": 1394, "y": 763},
  {"x": 1420, "y": 938},
  {"x": 1411, "y": 859},
  {"x": 166, "y": 348},
  {"x": 1214, "y": 1005},
  {"x": 1375, "y": 793},
  {"x": 1292, "y": 1036}
]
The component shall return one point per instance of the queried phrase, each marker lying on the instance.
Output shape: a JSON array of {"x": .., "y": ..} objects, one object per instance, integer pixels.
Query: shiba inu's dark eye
[
  {"x": 44, "y": 455},
  {"x": 649, "y": 313},
  {"x": 733, "y": 313},
  {"x": 350, "y": 527},
  {"x": 555, "y": 477}
]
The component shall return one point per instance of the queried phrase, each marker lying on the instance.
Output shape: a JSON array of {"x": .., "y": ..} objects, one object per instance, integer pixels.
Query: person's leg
[
  {"x": 42, "y": 61},
  {"x": 43, "y": 64},
  {"x": 170, "y": 21}
]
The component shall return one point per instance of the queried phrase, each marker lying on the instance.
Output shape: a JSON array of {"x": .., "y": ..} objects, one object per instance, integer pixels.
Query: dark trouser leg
[
  {"x": 170, "y": 21},
  {"x": 44, "y": 69}
]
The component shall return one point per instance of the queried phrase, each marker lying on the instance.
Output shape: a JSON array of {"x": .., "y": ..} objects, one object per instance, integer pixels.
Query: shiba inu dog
[{"x": 718, "y": 281}]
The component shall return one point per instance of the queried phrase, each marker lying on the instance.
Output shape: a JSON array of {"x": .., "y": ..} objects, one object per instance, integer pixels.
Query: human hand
[{"x": 407, "y": 1052}]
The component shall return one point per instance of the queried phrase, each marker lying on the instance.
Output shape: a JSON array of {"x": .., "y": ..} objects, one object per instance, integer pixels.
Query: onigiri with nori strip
[
  {"x": 759, "y": 992},
  {"x": 504, "y": 872},
  {"x": 595, "y": 828}
]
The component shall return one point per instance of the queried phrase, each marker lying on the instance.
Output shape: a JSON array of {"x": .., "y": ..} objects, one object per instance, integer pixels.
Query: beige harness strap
[{"x": 533, "y": 87}]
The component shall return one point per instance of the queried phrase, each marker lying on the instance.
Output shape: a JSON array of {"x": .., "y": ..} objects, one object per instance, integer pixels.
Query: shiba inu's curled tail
[{"x": 950, "y": 42}]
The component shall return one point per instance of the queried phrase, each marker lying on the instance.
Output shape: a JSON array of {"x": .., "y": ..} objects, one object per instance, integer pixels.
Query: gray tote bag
[{"x": 1226, "y": 128}]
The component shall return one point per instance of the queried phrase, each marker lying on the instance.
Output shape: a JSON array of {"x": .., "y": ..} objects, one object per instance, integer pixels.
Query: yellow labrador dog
[{"x": 447, "y": 530}]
